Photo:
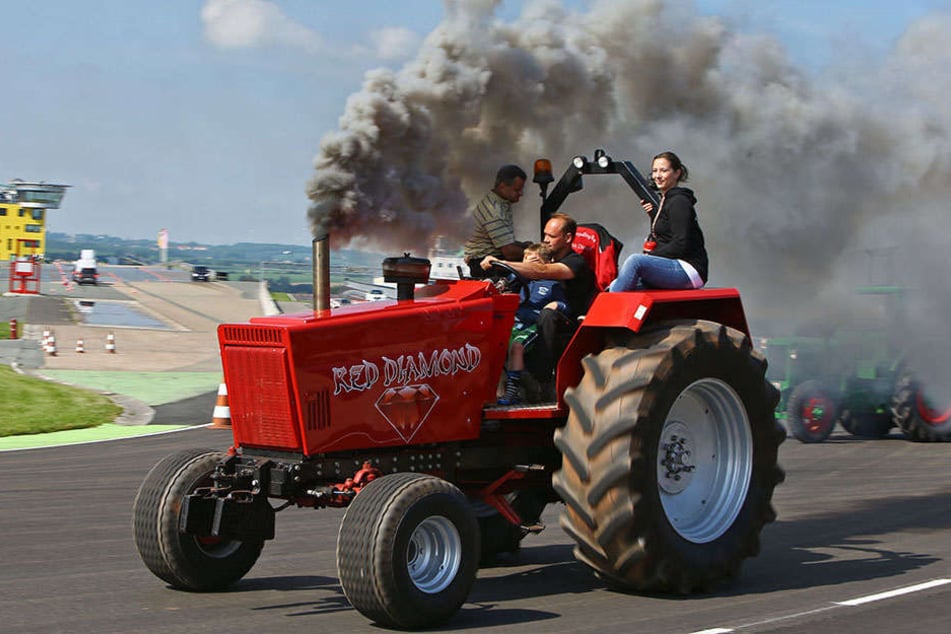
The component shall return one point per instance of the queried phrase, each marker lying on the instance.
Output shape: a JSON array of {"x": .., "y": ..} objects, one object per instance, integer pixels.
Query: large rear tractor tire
[
  {"x": 408, "y": 551},
  {"x": 186, "y": 562},
  {"x": 811, "y": 412},
  {"x": 919, "y": 416},
  {"x": 670, "y": 458}
]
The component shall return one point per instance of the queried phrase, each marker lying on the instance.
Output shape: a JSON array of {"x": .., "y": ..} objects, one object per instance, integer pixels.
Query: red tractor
[{"x": 662, "y": 443}]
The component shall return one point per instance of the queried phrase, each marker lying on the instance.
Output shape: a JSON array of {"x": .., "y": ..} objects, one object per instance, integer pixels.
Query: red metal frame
[
  {"x": 634, "y": 310},
  {"x": 25, "y": 276},
  {"x": 25, "y": 269},
  {"x": 494, "y": 495}
]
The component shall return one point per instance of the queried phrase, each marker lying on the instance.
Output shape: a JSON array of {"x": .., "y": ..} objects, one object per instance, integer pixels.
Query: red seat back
[{"x": 601, "y": 251}]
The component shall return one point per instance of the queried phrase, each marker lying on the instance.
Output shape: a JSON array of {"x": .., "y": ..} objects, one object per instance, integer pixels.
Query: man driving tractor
[{"x": 567, "y": 267}]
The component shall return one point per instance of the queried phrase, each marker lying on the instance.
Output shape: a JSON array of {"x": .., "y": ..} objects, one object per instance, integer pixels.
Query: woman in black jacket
[{"x": 674, "y": 254}]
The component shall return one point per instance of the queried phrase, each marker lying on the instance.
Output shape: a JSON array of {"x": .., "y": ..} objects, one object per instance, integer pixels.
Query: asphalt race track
[{"x": 856, "y": 518}]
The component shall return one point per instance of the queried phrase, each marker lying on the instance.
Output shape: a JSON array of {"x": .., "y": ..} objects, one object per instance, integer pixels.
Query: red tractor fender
[{"x": 635, "y": 311}]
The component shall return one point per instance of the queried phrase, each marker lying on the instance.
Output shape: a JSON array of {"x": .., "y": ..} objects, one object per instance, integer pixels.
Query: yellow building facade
[{"x": 23, "y": 211}]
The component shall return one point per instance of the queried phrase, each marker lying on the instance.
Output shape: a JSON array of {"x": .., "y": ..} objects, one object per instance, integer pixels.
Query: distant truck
[{"x": 84, "y": 269}]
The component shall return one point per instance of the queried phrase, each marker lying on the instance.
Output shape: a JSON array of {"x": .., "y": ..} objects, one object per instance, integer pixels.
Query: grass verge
[{"x": 33, "y": 406}]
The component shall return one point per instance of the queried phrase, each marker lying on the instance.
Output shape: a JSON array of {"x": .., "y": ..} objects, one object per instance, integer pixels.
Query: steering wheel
[{"x": 513, "y": 281}]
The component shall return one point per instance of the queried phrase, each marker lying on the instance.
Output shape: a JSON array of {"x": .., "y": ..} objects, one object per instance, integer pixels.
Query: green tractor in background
[
  {"x": 855, "y": 376},
  {"x": 847, "y": 378},
  {"x": 797, "y": 365}
]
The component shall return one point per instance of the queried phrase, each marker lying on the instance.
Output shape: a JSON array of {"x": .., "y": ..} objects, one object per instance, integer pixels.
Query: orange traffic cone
[
  {"x": 111, "y": 343},
  {"x": 221, "y": 417},
  {"x": 80, "y": 346}
]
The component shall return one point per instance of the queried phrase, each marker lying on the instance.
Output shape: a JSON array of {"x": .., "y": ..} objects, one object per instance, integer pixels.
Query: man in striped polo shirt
[{"x": 494, "y": 232}]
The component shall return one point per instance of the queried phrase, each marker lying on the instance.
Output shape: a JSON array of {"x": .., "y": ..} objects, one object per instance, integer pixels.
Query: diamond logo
[{"x": 406, "y": 408}]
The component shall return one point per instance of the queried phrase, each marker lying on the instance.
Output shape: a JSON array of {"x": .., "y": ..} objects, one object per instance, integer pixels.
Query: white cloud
[
  {"x": 254, "y": 23},
  {"x": 394, "y": 43}
]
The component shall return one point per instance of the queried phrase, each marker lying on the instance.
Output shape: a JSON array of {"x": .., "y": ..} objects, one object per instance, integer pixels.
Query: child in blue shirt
[{"x": 537, "y": 295}]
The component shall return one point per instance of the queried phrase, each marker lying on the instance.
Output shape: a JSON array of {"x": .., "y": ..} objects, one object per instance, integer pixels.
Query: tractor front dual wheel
[
  {"x": 408, "y": 550},
  {"x": 187, "y": 562},
  {"x": 670, "y": 458}
]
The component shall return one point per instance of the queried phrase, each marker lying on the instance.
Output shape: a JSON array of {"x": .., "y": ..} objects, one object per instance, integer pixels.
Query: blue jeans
[{"x": 641, "y": 271}]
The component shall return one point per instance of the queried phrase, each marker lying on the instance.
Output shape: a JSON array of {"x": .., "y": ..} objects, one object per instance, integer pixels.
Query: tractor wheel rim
[
  {"x": 217, "y": 547},
  {"x": 816, "y": 414},
  {"x": 434, "y": 554},
  {"x": 705, "y": 458},
  {"x": 931, "y": 415}
]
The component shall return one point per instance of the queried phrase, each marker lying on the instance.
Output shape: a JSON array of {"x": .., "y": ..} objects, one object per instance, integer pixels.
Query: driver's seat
[{"x": 600, "y": 250}]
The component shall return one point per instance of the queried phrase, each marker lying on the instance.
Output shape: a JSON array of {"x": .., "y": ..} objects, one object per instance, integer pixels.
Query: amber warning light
[{"x": 543, "y": 171}]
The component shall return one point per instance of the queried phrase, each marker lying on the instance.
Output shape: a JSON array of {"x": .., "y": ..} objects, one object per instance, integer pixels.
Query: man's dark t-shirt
[{"x": 580, "y": 289}]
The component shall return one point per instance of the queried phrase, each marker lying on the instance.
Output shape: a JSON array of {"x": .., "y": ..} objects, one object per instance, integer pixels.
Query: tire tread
[{"x": 608, "y": 512}]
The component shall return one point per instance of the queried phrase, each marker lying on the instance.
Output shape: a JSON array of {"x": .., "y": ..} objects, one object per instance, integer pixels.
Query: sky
[{"x": 206, "y": 117}]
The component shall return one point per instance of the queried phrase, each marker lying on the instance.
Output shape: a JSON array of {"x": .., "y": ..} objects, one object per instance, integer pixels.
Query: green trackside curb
[{"x": 109, "y": 431}]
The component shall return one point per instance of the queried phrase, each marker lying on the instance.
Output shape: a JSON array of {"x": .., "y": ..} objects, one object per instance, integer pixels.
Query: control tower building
[{"x": 23, "y": 208}]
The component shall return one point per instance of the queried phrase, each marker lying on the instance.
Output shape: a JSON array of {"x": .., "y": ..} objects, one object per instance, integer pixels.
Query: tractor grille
[{"x": 260, "y": 396}]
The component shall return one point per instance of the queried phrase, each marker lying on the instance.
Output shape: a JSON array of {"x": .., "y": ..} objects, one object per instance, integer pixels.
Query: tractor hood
[{"x": 385, "y": 373}]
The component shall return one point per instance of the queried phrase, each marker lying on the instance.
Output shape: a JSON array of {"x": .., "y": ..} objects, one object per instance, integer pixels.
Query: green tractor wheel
[{"x": 811, "y": 412}]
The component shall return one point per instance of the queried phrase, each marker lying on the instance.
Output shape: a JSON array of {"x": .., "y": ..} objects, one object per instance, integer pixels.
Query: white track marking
[
  {"x": 934, "y": 583},
  {"x": 894, "y": 593}
]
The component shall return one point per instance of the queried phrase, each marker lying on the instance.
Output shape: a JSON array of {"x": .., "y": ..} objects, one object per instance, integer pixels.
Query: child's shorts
[{"x": 525, "y": 335}]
